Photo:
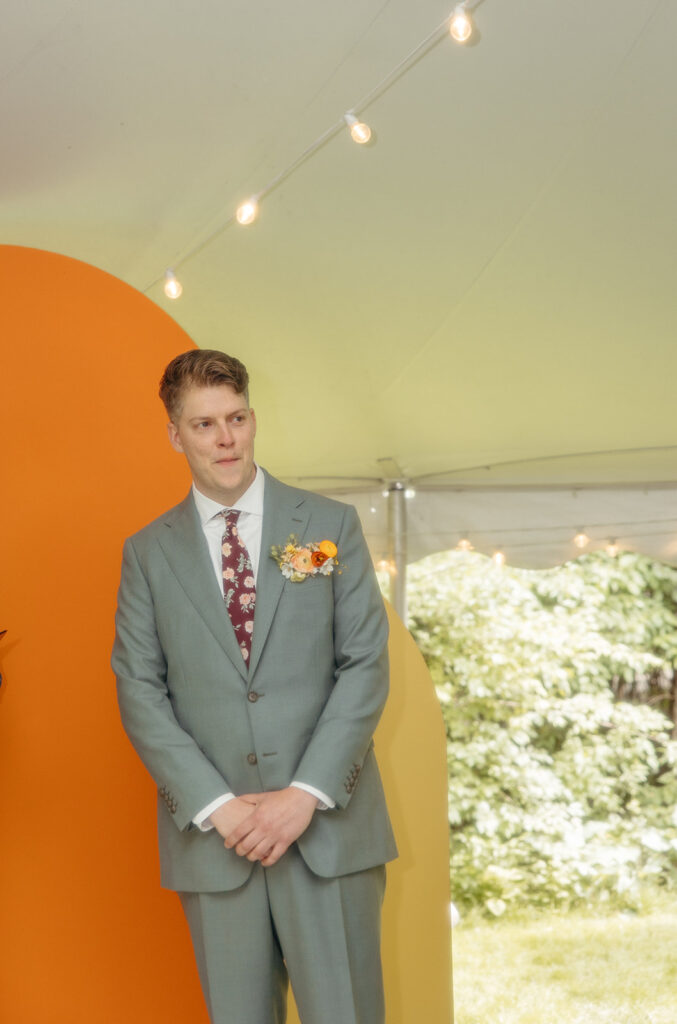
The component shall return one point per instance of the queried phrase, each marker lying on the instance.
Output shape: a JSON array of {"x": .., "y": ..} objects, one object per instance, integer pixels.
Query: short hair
[{"x": 202, "y": 368}]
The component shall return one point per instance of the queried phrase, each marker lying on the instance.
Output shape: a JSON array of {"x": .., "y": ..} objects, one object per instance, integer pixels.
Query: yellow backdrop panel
[
  {"x": 411, "y": 750},
  {"x": 87, "y": 933}
]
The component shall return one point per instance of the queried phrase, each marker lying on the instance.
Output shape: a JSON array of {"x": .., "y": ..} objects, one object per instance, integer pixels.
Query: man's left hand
[{"x": 281, "y": 816}]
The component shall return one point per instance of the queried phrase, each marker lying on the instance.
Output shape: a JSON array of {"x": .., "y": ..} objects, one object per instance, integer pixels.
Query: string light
[
  {"x": 460, "y": 25},
  {"x": 359, "y": 131},
  {"x": 612, "y": 548},
  {"x": 172, "y": 286},
  {"x": 247, "y": 211},
  {"x": 498, "y": 558},
  {"x": 464, "y": 545},
  {"x": 581, "y": 539}
]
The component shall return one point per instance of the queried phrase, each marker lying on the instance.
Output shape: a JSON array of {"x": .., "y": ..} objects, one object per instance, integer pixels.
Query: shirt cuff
[
  {"x": 200, "y": 818},
  {"x": 326, "y": 803}
]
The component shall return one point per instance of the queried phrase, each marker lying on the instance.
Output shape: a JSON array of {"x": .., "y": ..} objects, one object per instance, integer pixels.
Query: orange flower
[
  {"x": 328, "y": 548},
  {"x": 302, "y": 561},
  {"x": 318, "y": 558}
]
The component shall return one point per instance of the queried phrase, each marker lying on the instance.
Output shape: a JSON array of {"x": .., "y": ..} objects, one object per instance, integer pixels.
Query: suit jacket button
[
  {"x": 252, "y": 759},
  {"x": 252, "y": 697}
]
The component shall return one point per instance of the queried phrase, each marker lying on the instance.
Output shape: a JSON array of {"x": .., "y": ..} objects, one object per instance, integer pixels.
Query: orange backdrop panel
[{"x": 87, "y": 934}]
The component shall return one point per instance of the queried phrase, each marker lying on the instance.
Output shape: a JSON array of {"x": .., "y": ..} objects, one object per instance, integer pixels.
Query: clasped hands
[{"x": 262, "y": 826}]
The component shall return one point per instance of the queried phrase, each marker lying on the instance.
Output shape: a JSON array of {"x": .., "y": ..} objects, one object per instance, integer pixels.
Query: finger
[
  {"x": 239, "y": 833},
  {"x": 251, "y": 842},
  {"x": 239, "y": 850},
  {"x": 259, "y": 851},
  {"x": 255, "y": 855},
  {"x": 278, "y": 850}
]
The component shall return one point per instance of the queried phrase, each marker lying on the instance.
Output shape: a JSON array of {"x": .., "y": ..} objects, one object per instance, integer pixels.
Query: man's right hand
[{"x": 229, "y": 815}]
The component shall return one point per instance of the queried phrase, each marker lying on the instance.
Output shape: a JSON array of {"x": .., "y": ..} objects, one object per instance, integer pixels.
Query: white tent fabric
[
  {"x": 489, "y": 283},
  {"x": 534, "y": 528}
]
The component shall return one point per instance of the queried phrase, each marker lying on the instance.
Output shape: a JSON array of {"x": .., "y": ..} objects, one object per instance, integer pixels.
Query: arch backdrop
[{"x": 89, "y": 935}]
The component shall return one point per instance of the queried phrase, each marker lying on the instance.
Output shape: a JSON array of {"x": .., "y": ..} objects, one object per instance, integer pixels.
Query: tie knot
[{"x": 230, "y": 515}]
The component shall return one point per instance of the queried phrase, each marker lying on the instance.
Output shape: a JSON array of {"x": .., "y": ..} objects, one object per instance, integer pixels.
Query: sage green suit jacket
[{"x": 305, "y": 708}]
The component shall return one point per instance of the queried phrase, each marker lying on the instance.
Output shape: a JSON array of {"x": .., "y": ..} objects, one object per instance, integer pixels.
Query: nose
[{"x": 224, "y": 436}]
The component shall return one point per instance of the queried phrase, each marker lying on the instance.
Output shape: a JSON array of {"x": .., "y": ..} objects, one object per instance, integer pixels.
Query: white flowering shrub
[{"x": 559, "y": 791}]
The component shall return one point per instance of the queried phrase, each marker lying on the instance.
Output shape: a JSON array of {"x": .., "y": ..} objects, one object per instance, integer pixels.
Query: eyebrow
[{"x": 208, "y": 416}]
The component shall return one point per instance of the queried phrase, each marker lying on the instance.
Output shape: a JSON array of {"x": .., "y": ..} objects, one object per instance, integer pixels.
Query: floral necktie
[{"x": 239, "y": 588}]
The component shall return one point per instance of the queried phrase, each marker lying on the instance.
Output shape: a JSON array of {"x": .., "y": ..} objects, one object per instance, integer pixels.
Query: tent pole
[{"x": 397, "y": 547}]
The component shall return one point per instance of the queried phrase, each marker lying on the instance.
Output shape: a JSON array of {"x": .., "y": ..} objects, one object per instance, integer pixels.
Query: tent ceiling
[{"x": 491, "y": 281}]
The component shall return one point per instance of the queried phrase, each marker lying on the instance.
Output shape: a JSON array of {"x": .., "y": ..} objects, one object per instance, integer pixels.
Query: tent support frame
[{"x": 397, "y": 547}]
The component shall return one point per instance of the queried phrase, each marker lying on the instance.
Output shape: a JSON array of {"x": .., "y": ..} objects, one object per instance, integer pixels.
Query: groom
[{"x": 251, "y": 664}]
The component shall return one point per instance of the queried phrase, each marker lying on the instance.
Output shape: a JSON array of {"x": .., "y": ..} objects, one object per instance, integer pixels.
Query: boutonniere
[{"x": 298, "y": 562}]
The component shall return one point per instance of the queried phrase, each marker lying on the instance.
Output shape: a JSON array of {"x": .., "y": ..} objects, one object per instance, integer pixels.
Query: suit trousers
[{"x": 285, "y": 922}]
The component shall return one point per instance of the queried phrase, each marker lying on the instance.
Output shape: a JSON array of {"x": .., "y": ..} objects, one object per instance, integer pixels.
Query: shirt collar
[{"x": 251, "y": 501}]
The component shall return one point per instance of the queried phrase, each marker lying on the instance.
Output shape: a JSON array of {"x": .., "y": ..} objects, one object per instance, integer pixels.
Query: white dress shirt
[{"x": 250, "y": 528}]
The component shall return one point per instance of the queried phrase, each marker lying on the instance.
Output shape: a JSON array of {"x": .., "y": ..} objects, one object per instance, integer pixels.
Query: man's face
[{"x": 215, "y": 432}]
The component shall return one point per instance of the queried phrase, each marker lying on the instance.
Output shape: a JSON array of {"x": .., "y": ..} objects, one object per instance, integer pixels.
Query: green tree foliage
[{"x": 559, "y": 791}]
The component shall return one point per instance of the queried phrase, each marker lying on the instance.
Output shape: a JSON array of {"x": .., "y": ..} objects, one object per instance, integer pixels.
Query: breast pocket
[{"x": 310, "y": 603}]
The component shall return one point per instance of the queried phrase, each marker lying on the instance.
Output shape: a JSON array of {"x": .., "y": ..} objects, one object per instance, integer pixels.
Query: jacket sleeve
[
  {"x": 186, "y": 779},
  {"x": 334, "y": 755}
]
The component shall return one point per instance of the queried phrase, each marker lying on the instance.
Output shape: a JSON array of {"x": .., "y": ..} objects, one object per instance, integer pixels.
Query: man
[{"x": 251, "y": 662}]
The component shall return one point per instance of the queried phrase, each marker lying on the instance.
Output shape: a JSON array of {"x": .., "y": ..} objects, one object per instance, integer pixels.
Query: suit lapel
[
  {"x": 284, "y": 512},
  {"x": 185, "y": 548}
]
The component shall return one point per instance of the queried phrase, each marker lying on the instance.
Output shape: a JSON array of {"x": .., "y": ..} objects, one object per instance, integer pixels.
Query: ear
[{"x": 174, "y": 438}]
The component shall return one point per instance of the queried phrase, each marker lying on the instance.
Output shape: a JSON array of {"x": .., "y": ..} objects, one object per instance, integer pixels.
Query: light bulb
[
  {"x": 464, "y": 545},
  {"x": 581, "y": 539},
  {"x": 612, "y": 548},
  {"x": 460, "y": 25},
  {"x": 247, "y": 211},
  {"x": 172, "y": 286},
  {"x": 359, "y": 131},
  {"x": 410, "y": 492},
  {"x": 498, "y": 558}
]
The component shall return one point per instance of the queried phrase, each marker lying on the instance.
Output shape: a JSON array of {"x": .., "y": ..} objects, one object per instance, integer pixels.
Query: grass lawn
[{"x": 577, "y": 968}]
